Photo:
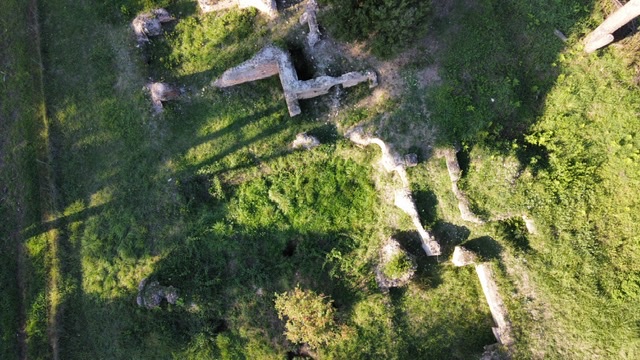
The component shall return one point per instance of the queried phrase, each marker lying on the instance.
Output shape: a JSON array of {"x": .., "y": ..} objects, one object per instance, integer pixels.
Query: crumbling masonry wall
[
  {"x": 267, "y": 7},
  {"x": 272, "y": 60},
  {"x": 392, "y": 162}
]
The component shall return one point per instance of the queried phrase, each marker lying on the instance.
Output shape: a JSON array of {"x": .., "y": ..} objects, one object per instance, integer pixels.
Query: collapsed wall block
[
  {"x": 310, "y": 17},
  {"x": 305, "y": 141},
  {"x": 150, "y": 24},
  {"x": 267, "y": 7},
  {"x": 503, "y": 330},
  {"x": 454, "y": 174},
  {"x": 271, "y": 61},
  {"x": 162, "y": 92},
  {"x": 603, "y": 34}
]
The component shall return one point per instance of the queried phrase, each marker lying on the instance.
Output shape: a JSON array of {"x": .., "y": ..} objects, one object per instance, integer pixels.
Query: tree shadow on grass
[
  {"x": 428, "y": 273},
  {"x": 456, "y": 339},
  {"x": 485, "y": 246}
]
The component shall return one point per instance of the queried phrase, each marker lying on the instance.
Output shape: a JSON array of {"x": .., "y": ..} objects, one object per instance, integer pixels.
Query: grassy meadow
[{"x": 99, "y": 193}]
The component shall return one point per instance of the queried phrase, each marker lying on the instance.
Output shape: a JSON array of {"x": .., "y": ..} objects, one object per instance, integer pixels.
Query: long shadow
[
  {"x": 429, "y": 271},
  {"x": 485, "y": 246},
  {"x": 496, "y": 81}
]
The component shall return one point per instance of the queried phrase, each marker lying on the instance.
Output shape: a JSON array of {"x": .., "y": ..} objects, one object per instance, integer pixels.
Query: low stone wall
[
  {"x": 267, "y": 7},
  {"x": 503, "y": 330},
  {"x": 393, "y": 162},
  {"x": 309, "y": 17},
  {"x": 272, "y": 60},
  {"x": 454, "y": 174}
]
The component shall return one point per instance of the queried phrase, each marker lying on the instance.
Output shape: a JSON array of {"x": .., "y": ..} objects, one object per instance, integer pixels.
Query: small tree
[{"x": 310, "y": 317}]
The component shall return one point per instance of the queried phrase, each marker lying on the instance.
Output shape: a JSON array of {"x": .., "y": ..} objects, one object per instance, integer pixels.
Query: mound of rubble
[
  {"x": 151, "y": 294},
  {"x": 396, "y": 267},
  {"x": 150, "y": 24}
]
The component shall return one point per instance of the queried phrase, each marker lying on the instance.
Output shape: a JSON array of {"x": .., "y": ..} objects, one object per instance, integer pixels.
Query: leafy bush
[
  {"x": 390, "y": 25},
  {"x": 309, "y": 316}
]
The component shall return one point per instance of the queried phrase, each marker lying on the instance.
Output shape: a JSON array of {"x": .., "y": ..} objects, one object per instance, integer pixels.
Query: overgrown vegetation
[
  {"x": 399, "y": 265},
  {"x": 209, "y": 198},
  {"x": 310, "y": 317},
  {"x": 388, "y": 25}
]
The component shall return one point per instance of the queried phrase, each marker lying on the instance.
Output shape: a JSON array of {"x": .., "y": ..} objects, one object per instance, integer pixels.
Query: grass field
[{"x": 210, "y": 198}]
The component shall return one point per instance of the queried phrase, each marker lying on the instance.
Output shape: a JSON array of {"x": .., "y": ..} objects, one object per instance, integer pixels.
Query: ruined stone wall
[
  {"x": 272, "y": 60},
  {"x": 392, "y": 162},
  {"x": 267, "y": 7}
]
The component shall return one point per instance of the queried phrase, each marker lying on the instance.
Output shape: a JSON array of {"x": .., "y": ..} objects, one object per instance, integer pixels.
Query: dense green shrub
[
  {"x": 310, "y": 316},
  {"x": 390, "y": 25}
]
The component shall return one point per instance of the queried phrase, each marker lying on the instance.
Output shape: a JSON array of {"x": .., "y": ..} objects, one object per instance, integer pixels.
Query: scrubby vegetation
[
  {"x": 209, "y": 197},
  {"x": 388, "y": 26}
]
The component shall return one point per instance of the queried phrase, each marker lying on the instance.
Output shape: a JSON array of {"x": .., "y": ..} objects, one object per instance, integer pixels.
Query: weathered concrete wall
[
  {"x": 310, "y": 17},
  {"x": 454, "y": 174},
  {"x": 272, "y": 60},
  {"x": 267, "y": 7},
  {"x": 603, "y": 34},
  {"x": 392, "y": 162},
  {"x": 503, "y": 330}
]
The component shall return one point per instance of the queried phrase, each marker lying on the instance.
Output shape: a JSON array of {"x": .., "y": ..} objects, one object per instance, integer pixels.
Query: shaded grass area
[
  {"x": 497, "y": 67},
  {"x": 23, "y": 187}
]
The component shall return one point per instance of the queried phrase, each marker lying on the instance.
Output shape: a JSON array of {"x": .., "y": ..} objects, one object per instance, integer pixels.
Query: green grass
[
  {"x": 210, "y": 198},
  {"x": 559, "y": 145},
  {"x": 24, "y": 200}
]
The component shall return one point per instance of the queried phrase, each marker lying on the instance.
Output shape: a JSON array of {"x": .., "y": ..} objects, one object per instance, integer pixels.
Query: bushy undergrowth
[{"x": 387, "y": 25}]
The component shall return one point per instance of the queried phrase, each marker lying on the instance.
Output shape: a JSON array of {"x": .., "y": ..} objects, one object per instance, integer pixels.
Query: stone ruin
[
  {"x": 151, "y": 294},
  {"x": 503, "y": 330},
  {"x": 392, "y": 162},
  {"x": 272, "y": 61},
  {"x": 305, "y": 141},
  {"x": 453, "y": 167},
  {"x": 603, "y": 34},
  {"x": 161, "y": 92},
  {"x": 267, "y": 7},
  {"x": 150, "y": 24},
  {"x": 455, "y": 173},
  {"x": 310, "y": 17},
  {"x": 387, "y": 253}
]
